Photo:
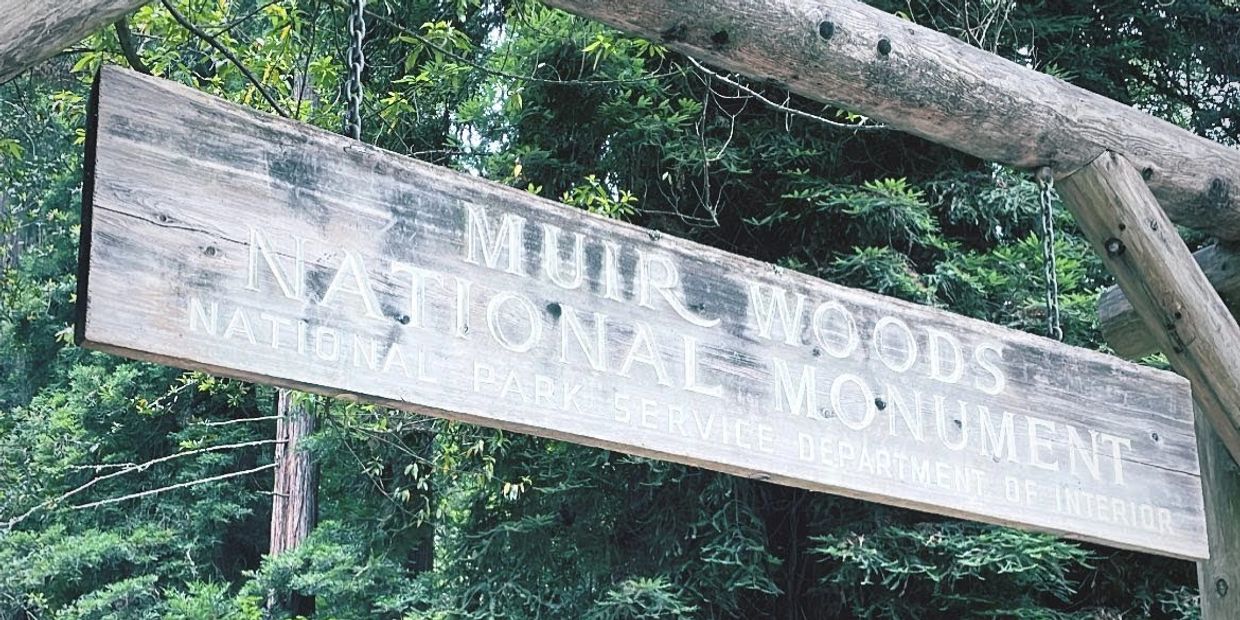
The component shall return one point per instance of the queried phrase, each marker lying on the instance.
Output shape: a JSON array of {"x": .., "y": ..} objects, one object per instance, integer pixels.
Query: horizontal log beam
[
  {"x": 1153, "y": 266},
  {"x": 1127, "y": 334},
  {"x": 932, "y": 85},
  {"x": 32, "y": 31}
]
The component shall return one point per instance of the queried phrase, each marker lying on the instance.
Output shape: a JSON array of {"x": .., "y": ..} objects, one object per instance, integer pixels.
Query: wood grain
[
  {"x": 1153, "y": 266},
  {"x": 1127, "y": 334},
  {"x": 32, "y": 31},
  {"x": 935, "y": 86},
  {"x": 197, "y": 213},
  {"x": 1219, "y": 575}
]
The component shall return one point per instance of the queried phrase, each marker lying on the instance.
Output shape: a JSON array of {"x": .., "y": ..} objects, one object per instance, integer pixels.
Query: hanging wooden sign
[{"x": 218, "y": 238}]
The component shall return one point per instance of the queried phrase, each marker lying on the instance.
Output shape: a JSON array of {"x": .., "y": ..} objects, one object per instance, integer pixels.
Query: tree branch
[
  {"x": 130, "y": 468},
  {"x": 128, "y": 47},
  {"x": 181, "y": 485},
  {"x": 238, "y": 420},
  {"x": 213, "y": 42},
  {"x": 503, "y": 74},
  {"x": 779, "y": 106},
  {"x": 240, "y": 20}
]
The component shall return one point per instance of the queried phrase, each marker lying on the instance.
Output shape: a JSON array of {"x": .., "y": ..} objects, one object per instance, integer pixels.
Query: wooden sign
[{"x": 218, "y": 238}]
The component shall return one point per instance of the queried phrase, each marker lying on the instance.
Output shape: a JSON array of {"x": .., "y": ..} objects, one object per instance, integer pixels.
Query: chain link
[
  {"x": 357, "y": 64},
  {"x": 1046, "y": 198}
]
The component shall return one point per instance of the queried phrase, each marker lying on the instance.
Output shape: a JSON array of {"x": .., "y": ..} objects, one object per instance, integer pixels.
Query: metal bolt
[
  {"x": 1113, "y": 246},
  {"x": 826, "y": 29},
  {"x": 884, "y": 47}
]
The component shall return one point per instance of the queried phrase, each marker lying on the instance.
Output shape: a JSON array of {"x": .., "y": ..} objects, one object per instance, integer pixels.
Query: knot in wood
[{"x": 826, "y": 29}]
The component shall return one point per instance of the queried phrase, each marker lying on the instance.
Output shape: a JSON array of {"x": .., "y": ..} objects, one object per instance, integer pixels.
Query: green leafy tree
[{"x": 123, "y": 486}]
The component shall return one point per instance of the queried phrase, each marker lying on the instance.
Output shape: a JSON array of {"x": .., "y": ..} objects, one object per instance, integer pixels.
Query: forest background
[{"x": 421, "y": 518}]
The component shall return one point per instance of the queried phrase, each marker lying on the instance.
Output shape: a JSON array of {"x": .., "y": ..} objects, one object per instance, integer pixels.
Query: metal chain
[
  {"x": 357, "y": 64},
  {"x": 1046, "y": 197}
]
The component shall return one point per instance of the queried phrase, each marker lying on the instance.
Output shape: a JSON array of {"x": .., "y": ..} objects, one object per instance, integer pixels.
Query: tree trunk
[{"x": 294, "y": 506}]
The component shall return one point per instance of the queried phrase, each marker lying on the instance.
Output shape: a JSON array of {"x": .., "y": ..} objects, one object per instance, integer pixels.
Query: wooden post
[
  {"x": 31, "y": 31},
  {"x": 294, "y": 504},
  {"x": 1219, "y": 575}
]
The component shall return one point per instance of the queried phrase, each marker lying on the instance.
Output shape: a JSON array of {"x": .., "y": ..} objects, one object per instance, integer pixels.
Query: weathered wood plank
[
  {"x": 1124, "y": 330},
  {"x": 32, "y": 31},
  {"x": 221, "y": 239},
  {"x": 935, "y": 86},
  {"x": 1219, "y": 575}
]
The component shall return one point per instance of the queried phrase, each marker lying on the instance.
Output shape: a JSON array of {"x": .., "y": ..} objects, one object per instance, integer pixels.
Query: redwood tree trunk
[{"x": 294, "y": 507}]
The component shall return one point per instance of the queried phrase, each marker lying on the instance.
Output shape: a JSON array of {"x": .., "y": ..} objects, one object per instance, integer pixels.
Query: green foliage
[
  {"x": 428, "y": 519},
  {"x": 647, "y": 599},
  {"x": 959, "y": 567}
]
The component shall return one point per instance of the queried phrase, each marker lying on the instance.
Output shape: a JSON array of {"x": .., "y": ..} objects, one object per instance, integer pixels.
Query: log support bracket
[
  {"x": 1142, "y": 249},
  {"x": 1188, "y": 320}
]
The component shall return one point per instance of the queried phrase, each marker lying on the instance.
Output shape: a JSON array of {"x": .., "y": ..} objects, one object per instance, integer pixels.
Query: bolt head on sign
[{"x": 221, "y": 239}]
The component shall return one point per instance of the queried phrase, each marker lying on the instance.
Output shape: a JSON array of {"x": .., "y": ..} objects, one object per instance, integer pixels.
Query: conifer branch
[
  {"x": 50, "y": 503},
  {"x": 779, "y": 106},
  {"x": 180, "y": 485}
]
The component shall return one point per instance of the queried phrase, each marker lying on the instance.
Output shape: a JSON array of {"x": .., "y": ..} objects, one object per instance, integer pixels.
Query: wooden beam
[
  {"x": 222, "y": 239},
  {"x": 32, "y": 31},
  {"x": 1151, "y": 263},
  {"x": 932, "y": 85},
  {"x": 1219, "y": 575},
  {"x": 1127, "y": 334}
]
